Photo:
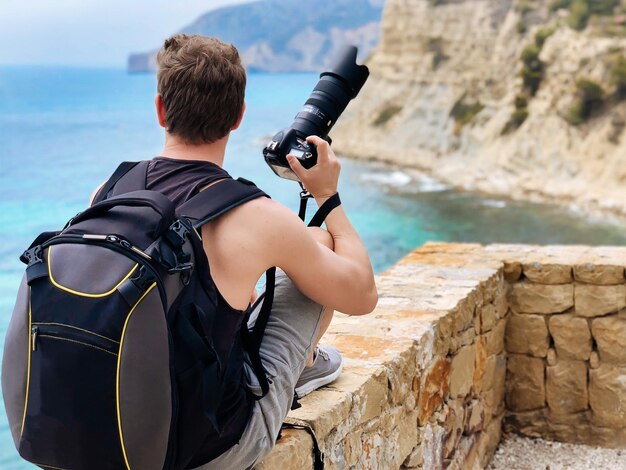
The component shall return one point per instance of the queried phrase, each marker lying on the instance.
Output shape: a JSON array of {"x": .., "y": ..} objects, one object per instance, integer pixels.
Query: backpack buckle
[
  {"x": 32, "y": 256},
  {"x": 177, "y": 233},
  {"x": 143, "y": 279}
]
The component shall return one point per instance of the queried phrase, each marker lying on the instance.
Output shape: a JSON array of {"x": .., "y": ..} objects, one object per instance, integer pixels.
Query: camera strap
[
  {"x": 320, "y": 216},
  {"x": 304, "y": 199}
]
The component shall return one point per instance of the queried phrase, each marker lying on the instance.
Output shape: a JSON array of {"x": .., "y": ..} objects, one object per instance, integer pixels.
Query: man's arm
[{"x": 341, "y": 279}]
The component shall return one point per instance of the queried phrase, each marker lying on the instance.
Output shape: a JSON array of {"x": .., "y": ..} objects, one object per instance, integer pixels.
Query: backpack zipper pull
[{"x": 35, "y": 331}]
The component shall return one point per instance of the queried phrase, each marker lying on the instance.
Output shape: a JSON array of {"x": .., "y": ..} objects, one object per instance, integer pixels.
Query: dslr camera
[{"x": 335, "y": 89}]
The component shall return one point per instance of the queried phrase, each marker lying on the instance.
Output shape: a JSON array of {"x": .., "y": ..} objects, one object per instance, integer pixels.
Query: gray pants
[{"x": 286, "y": 346}]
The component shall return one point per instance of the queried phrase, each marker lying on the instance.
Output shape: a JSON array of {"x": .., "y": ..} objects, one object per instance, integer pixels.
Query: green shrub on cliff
[
  {"x": 579, "y": 15},
  {"x": 532, "y": 70},
  {"x": 542, "y": 35},
  {"x": 618, "y": 78},
  {"x": 602, "y": 7},
  {"x": 532, "y": 67},
  {"x": 559, "y": 4},
  {"x": 435, "y": 46},
  {"x": 589, "y": 99},
  {"x": 463, "y": 112},
  {"x": 519, "y": 115},
  {"x": 386, "y": 114},
  {"x": 582, "y": 10}
]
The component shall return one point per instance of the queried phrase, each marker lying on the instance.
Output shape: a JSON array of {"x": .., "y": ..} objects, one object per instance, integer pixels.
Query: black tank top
[{"x": 179, "y": 180}]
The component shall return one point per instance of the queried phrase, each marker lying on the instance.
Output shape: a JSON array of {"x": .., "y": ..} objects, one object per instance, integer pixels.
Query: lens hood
[{"x": 345, "y": 68}]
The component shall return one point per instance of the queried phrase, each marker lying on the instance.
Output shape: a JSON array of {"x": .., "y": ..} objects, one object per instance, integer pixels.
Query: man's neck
[{"x": 213, "y": 152}]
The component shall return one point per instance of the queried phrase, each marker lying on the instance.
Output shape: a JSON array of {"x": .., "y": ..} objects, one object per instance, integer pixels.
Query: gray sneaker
[{"x": 327, "y": 366}]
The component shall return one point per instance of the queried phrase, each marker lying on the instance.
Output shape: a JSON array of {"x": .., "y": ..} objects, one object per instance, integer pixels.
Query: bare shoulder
[
  {"x": 265, "y": 212},
  {"x": 260, "y": 220}
]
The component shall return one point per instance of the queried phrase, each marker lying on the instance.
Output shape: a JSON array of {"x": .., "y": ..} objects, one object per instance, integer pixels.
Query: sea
[{"x": 64, "y": 130}]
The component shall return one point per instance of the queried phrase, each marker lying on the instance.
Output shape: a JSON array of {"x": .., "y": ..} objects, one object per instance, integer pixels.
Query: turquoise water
[{"x": 62, "y": 131}]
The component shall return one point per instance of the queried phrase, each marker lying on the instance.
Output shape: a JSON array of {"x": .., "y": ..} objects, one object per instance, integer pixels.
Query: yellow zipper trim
[
  {"x": 83, "y": 294},
  {"x": 28, "y": 367},
  {"x": 76, "y": 328},
  {"x": 117, "y": 380},
  {"x": 41, "y": 335}
]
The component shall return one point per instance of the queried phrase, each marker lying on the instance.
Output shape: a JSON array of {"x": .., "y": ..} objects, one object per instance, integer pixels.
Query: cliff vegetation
[{"x": 521, "y": 98}]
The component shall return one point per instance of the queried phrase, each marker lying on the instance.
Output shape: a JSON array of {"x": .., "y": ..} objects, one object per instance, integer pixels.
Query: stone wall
[
  {"x": 428, "y": 382},
  {"x": 566, "y": 346}
]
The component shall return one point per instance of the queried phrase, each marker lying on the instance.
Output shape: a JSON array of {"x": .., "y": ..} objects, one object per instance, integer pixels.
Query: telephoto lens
[{"x": 336, "y": 87}]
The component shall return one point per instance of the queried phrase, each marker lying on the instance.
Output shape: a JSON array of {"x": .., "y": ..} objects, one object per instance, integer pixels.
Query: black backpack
[{"x": 113, "y": 324}]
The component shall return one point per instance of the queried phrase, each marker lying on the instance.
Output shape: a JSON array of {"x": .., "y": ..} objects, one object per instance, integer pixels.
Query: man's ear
[
  {"x": 238, "y": 123},
  {"x": 160, "y": 109}
]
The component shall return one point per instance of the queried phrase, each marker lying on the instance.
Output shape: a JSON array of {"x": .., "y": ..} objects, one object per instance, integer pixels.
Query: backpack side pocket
[{"x": 16, "y": 361}]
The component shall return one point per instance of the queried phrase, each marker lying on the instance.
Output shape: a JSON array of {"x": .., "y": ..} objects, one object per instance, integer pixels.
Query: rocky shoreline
[{"x": 450, "y": 95}]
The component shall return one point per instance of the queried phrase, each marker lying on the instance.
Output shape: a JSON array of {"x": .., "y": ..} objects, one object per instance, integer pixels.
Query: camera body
[
  {"x": 290, "y": 142},
  {"x": 335, "y": 89}
]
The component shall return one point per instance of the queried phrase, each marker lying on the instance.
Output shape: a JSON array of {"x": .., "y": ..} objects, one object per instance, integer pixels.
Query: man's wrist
[{"x": 322, "y": 199}]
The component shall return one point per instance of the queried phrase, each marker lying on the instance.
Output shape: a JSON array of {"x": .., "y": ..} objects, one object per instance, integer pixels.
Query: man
[{"x": 200, "y": 100}]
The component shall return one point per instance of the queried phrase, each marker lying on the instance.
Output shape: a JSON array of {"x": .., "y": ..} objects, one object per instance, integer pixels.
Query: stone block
[
  {"x": 494, "y": 385},
  {"x": 607, "y": 437},
  {"x": 512, "y": 271},
  {"x": 527, "y": 334},
  {"x": 525, "y": 297},
  {"x": 324, "y": 410},
  {"x": 434, "y": 388},
  {"x": 464, "y": 338},
  {"x": 488, "y": 442},
  {"x": 525, "y": 383},
  {"x": 293, "y": 450},
  {"x": 610, "y": 335},
  {"x": 551, "y": 357},
  {"x": 351, "y": 448},
  {"x": 571, "y": 335},
  {"x": 432, "y": 446},
  {"x": 547, "y": 273},
  {"x": 502, "y": 305},
  {"x": 566, "y": 387},
  {"x": 493, "y": 366},
  {"x": 594, "y": 360},
  {"x": 488, "y": 317},
  {"x": 463, "y": 315},
  {"x": 369, "y": 389},
  {"x": 480, "y": 364},
  {"x": 578, "y": 433},
  {"x": 494, "y": 397},
  {"x": 474, "y": 417},
  {"x": 527, "y": 423},
  {"x": 453, "y": 424},
  {"x": 415, "y": 458},
  {"x": 494, "y": 339},
  {"x": 570, "y": 419},
  {"x": 601, "y": 274},
  {"x": 594, "y": 301},
  {"x": 462, "y": 371},
  {"x": 607, "y": 395}
]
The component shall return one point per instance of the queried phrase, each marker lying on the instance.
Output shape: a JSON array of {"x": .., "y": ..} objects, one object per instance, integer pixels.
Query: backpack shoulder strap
[
  {"x": 128, "y": 177},
  {"x": 218, "y": 199},
  {"x": 210, "y": 204}
]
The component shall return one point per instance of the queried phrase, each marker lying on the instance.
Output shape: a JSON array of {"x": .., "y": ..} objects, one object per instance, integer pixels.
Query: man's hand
[{"x": 320, "y": 180}]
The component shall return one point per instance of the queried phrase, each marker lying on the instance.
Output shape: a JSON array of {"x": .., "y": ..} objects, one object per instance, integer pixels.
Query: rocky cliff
[
  {"x": 515, "y": 98},
  {"x": 286, "y": 35}
]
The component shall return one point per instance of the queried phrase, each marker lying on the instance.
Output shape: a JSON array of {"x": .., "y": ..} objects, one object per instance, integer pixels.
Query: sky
[{"x": 97, "y": 33}]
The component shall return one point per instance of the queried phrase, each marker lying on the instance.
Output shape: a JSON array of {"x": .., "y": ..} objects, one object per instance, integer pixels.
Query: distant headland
[{"x": 285, "y": 35}]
